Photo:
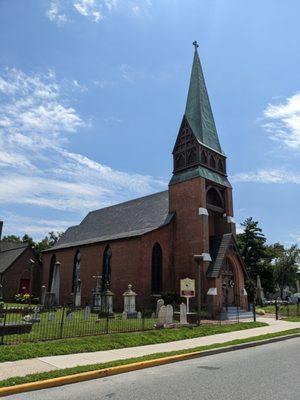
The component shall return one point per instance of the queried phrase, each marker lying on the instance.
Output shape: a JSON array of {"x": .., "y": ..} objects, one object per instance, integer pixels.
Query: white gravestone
[
  {"x": 161, "y": 319},
  {"x": 183, "y": 317},
  {"x": 124, "y": 315},
  {"x": 51, "y": 317},
  {"x": 159, "y": 304},
  {"x": 70, "y": 316},
  {"x": 86, "y": 313},
  {"x": 129, "y": 301},
  {"x": 169, "y": 314},
  {"x": 139, "y": 315}
]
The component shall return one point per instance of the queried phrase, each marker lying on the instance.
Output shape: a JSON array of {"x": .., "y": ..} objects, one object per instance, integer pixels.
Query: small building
[
  {"x": 150, "y": 242},
  {"x": 20, "y": 269}
]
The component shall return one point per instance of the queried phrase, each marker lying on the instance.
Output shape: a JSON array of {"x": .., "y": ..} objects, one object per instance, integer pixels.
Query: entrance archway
[{"x": 228, "y": 285}]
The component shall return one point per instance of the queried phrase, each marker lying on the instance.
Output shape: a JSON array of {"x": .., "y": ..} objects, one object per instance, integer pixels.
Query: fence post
[
  {"x": 276, "y": 310},
  {"x": 62, "y": 323},
  {"x": 254, "y": 312},
  {"x": 298, "y": 307},
  {"x": 3, "y": 330},
  {"x": 143, "y": 321}
]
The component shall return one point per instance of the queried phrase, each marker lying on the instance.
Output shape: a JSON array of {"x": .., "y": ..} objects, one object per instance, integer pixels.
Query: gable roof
[
  {"x": 219, "y": 246},
  {"x": 198, "y": 109},
  {"x": 129, "y": 219},
  {"x": 9, "y": 252}
]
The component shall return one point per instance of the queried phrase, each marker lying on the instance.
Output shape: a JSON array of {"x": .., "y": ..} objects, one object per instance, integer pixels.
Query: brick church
[{"x": 151, "y": 241}]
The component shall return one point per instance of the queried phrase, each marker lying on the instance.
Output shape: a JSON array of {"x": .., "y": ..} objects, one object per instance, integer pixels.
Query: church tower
[{"x": 200, "y": 194}]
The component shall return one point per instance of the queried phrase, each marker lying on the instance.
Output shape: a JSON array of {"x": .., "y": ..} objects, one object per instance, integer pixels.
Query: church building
[{"x": 150, "y": 242}]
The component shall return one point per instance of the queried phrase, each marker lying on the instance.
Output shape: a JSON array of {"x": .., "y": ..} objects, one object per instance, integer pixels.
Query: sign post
[{"x": 187, "y": 290}]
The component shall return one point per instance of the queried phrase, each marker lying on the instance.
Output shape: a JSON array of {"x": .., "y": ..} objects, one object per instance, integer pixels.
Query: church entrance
[{"x": 228, "y": 286}]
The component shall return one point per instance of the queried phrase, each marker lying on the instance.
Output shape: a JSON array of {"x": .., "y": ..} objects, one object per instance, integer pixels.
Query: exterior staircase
[{"x": 234, "y": 313}]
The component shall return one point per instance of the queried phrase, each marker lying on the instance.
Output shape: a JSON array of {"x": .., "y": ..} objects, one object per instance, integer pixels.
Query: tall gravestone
[
  {"x": 169, "y": 314},
  {"x": 161, "y": 318},
  {"x": 183, "y": 314},
  {"x": 55, "y": 285},
  {"x": 159, "y": 304}
]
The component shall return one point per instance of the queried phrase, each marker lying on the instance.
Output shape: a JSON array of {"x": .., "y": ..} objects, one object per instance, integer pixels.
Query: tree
[
  {"x": 252, "y": 247},
  {"x": 12, "y": 238},
  {"x": 285, "y": 268}
]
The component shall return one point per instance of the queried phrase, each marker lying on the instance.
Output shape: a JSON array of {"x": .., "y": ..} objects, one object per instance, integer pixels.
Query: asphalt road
[{"x": 267, "y": 372}]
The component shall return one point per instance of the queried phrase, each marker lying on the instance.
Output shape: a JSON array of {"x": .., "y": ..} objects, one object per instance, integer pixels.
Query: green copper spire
[{"x": 198, "y": 110}]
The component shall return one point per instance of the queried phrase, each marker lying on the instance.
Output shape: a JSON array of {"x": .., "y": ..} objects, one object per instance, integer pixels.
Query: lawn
[
  {"x": 58, "y": 324},
  {"x": 75, "y": 370},
  {"x": 114, "y": 341},
  {"x": 283, "y": 310}
]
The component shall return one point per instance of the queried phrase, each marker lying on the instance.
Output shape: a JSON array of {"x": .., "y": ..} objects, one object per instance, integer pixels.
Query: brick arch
[{"x": 214, "y": 196}]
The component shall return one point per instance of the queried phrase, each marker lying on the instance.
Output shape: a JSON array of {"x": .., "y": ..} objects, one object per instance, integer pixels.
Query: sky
[{"x": 92, "y": 93}]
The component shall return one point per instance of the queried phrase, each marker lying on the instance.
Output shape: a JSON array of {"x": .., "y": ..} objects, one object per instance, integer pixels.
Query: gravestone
[
  {"x": 35, "y": 317},
  {"x": 161, "y": 318},
  {"x": 139, "y": 315},
  {"x": 51, "y": 316},
  {"x": 70, "y": 316},
  {"x": 124, "y": 315},
  {"x": 153, "y": 315},
  {"x": 159, "y": 304},
  {"x": 183, "y": 316},
  {"x": 55, "y": 284},
  {"x": 43, "y": 295},
  {"x": 129, "y": 301},
  {"x": 86, "y": 313},
  {"x": 169, "y": 314}
]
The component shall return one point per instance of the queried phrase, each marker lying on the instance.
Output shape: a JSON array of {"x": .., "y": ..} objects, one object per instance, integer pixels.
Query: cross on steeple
[{"x": 195, "y": 44}]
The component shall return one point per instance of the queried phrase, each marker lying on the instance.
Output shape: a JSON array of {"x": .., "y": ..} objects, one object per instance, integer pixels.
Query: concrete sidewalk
[{"x": 43, "y": 364}]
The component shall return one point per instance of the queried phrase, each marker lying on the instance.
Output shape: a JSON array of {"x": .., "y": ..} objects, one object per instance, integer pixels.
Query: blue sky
[{"x": 92, "y": 93}]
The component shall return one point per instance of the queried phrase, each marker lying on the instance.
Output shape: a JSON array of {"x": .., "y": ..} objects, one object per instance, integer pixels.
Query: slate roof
[
  {"x": 200, "y": 171},
  {"x": 132, "y": 218},
  {"x": 198, "y": 109},
  {"x": 9, "y": 252},
  {"x": 219, "y": 245}
]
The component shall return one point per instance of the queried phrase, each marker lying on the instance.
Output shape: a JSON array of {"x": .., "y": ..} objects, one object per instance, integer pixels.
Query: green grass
[
  {"x": 75, "y": 370},
  {"x": 293, "y": 319},
  {"x": 114, "y": 341},
  {"x": 284, "y": 311},
  {"x": 61, "y": 327}
]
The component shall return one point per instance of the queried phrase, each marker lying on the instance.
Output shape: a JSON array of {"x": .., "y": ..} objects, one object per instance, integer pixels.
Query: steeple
[{"x": 198, "y": 110}]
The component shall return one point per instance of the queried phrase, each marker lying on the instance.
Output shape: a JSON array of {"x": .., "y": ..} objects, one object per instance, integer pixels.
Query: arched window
[
  {"x": 203, "y": 157},
  {"x": 212, "y": 162},
  {"x": 52, "y": 264},
  {"x": 106, "y": 270},
  {"x": 192, "y": 157},
  {"x": 220, "y": 166},
  {"x": 213, "y": 197},
  {"x": 76, "y": 270},
  {"x": 157, "y": 271},
  {"x": 179, "y": 161}
]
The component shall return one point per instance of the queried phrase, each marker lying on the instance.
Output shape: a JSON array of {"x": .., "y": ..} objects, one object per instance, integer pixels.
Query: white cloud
[
  {"x": 54, "y": 12},
  {"x": 59, "y": 11},
  {"x": 37, "y": 168},
  {"x": 267, "y": 176},
  {"x": 283, "y": 122}
]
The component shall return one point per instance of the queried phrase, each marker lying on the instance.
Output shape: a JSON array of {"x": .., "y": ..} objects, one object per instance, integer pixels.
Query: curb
[{"x": 101, "y": 373}]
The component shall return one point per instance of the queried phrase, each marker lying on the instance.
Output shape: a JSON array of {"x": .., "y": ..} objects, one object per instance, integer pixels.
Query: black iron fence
[
  {"x": 284, "y": 310},
  {"x": 29, "y": 324},
  {"x": 37, "y": 323}
]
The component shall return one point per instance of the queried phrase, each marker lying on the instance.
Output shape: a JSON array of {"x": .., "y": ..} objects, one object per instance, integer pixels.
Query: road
[{"x": 267, "y": 372}]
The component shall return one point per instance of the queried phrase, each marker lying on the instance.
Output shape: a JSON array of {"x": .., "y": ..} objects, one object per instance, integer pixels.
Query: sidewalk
[{"x": 43, "y": 364}]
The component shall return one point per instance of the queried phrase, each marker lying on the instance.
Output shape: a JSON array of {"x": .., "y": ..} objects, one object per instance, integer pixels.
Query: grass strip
[
  {"x": 75, "y": 370},
  {"x": 114, "y": 341}
]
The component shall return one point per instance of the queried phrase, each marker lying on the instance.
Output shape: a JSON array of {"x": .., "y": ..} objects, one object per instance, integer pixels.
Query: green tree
[
  {"x": 12, "y": 238},
  {"x": 285, "y": 268}
]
